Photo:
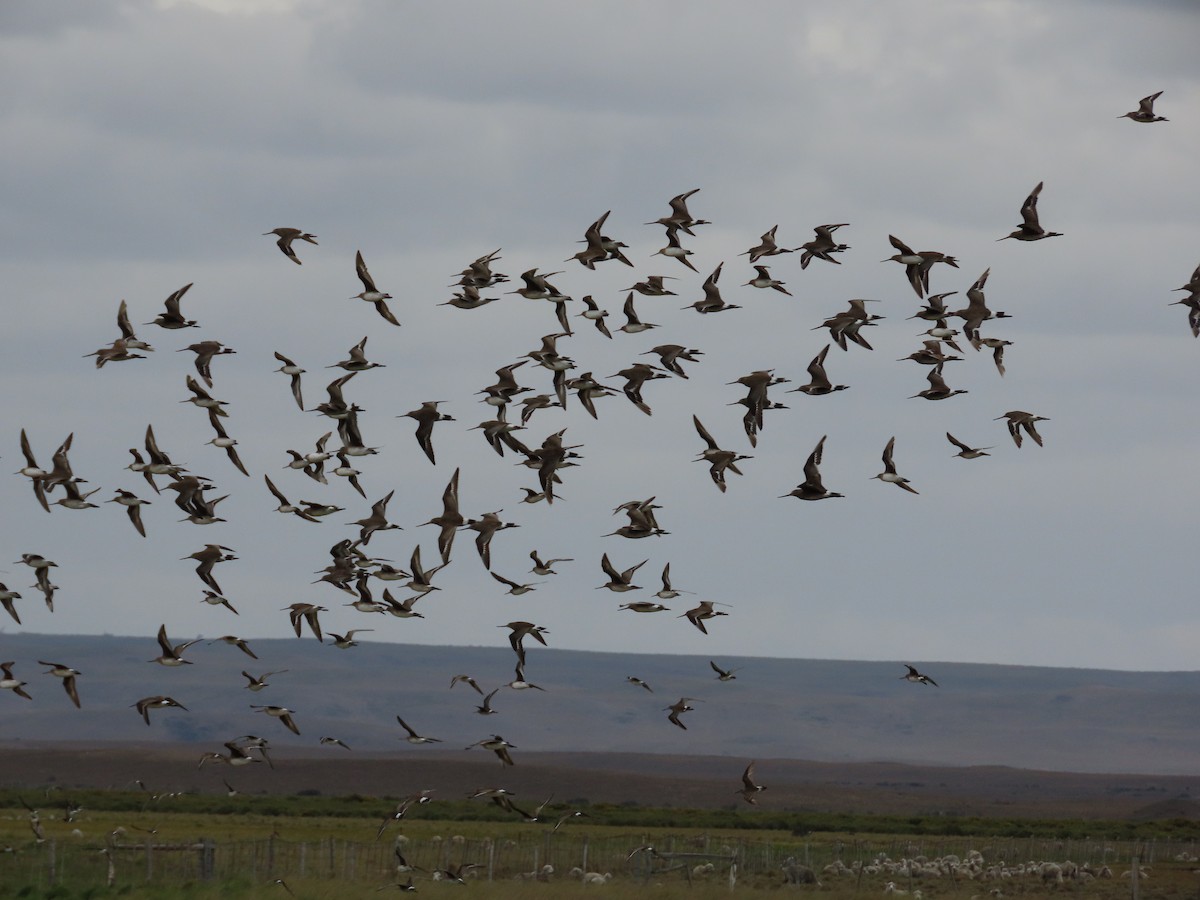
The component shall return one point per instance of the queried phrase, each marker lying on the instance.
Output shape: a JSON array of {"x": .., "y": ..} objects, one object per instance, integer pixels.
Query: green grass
[
  {"x": 250, "y": 812},
  {"x": 327, "y": 847}
]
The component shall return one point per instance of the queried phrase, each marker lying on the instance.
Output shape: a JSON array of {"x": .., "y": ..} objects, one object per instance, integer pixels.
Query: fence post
[
  {"x": 585, "y": 854},
  {"x": 52, "y": 873},
  {"x": 303, "y": 859},
  {"x": 491, "y": 860},
  {"x": 270, "y": 856},
  {"x": 207, "y": 859}
]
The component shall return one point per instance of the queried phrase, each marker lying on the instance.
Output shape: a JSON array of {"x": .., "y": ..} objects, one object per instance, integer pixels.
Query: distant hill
[{"x": 1069, "y": 720}]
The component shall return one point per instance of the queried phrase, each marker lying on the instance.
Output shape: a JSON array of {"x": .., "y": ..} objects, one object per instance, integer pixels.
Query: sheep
[
  {"x": 597, "y": 878},
  {"x": 543, "y": 874},
  {"x": 795, "y": 873},
  {"x": 1051, "y": 872}
]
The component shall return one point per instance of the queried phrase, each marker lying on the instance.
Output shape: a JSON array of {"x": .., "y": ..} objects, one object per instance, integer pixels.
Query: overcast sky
[{"x": 148, "y": 145}]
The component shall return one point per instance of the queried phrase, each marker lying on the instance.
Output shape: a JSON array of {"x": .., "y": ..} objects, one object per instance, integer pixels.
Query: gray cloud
[{"x": 153, "y": 148}]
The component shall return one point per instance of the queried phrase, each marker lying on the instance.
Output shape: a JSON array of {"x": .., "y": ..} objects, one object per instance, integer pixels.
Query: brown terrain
[{"x": 619, "y": 778}]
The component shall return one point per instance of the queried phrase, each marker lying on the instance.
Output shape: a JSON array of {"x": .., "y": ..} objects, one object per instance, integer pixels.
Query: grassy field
[{"x": 160, "y": 848}]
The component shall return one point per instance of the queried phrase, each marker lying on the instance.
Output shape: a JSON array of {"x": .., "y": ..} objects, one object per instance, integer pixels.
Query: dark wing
[
  {"x": 704, "y": 435},
  {"x": 363, "y": 275},
  {"x": 1029, "y": 210}
]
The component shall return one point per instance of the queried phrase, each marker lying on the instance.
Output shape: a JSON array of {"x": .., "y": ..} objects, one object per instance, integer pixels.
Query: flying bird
[
  {"x": 723, "y": 674},
  {"x": 749, "y": 789},
  {"x": 160, "y": 702},
  {"x": 676, "y": 250},
  {"x": 653, "y": 286},
  {"x": 679, "y": 708},
  {"x": 67, "y": 674},
  {"x": 667, "y": 592},
  {"x": 763, "y": 280},
  {"x": 466, "y": 679},
  {"x": 545, "y": 567},
  {"x": 425, "y": 416},
  {"x": 823, "y": 246},
  {"x": 765, "y": 247},
  {"x": 208, "y": 558},
  {"x": 171, "y": 317},
  {"x": 224, "y": 442},
  {"x": 916, "y": 677},
  {"x": 514, "y": 588},
  {"x": 812, "y": 487},
  {"x": 306, "y": 612},
  {"x": 375, "y": 522},
  {"x": 234, "y": 641},
  {"x": 965, "y": 451},
  {"x": 680, "y": 219},
  {"x": 1145, "y": 111},
  {"x": 918, "y": 263},
  {"x": 1030, "y": 229},
  {"x": 519, "y": 631},
  {"x": 486, "y": 527},
  {"x": 719, "y": 461},
  {"x": 698, "y": 614},
  {"x": 938, "y": 389},
  {"x": 10, "y": 682},
  {"x": 286, "y": 236},
  {"x": 357, "y": 361},
  {"x": 889, "y": 473},
  {"x": 172, "y": 654},
  {"x": 6, "y": 598},
  {"x": 205, "y": 351},
  {"x": 370, "y": 293},
  {"x": 633, "y": 323},
  {"x": 346, "y": 641},
  {"x": 128, "y": 336},
  {"x": 258, "y": 683},
  {"x": 497, "y": 745},
  {"x": 819, "y": 383},
  {"x": 413, "y": 737},
  {"x": 1018, "y": 420},
  {"x": 282, "y": 713},
  {"x": 619, "y": 582},
  {"x": 595, "y": 315}
]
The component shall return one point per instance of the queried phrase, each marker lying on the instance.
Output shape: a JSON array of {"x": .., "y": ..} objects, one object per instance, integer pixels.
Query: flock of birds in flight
[{"x": 353, "y": 572}]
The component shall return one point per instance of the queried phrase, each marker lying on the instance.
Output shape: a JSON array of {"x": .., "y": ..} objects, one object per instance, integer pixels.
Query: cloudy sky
[{"x": 148, "y": 145}]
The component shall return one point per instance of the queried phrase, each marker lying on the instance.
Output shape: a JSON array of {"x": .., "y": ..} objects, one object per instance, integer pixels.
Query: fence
[{"x": 375, "y": 862}]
